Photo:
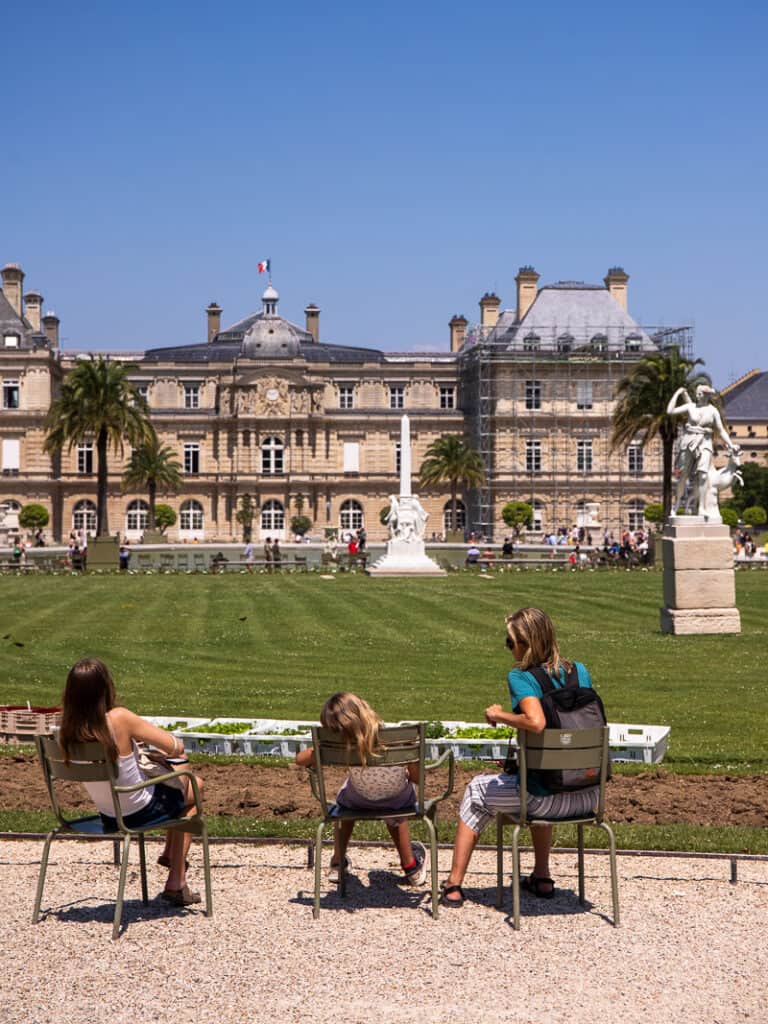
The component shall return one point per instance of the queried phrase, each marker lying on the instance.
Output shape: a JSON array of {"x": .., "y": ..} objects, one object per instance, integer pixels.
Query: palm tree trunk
[
  {"x": 152, "y": 489},
  {"x": 454, "y": 489},
  {"x": 102, "y": 519}
]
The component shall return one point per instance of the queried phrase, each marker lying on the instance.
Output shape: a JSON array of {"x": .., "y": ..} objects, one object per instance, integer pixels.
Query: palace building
[{"x": 265, "y": 408}]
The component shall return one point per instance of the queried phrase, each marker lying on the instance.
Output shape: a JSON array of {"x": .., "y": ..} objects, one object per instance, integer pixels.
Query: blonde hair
[
  {"x": 534, "y": 628},
  {"x": 355, "y": 719}
]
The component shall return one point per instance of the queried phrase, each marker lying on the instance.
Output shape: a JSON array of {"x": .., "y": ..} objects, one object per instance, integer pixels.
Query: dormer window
[
  {"x": 11, "y": 340},
  {"x": 599, "y": 342},
  {"x": 565, "y": 343},
  {"x": 633, "y": 343},
  {"x": 531, "y": 343}
]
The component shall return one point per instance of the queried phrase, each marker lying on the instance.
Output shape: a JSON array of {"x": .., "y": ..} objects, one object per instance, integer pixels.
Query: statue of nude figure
[{"x": 696, "y": 448}]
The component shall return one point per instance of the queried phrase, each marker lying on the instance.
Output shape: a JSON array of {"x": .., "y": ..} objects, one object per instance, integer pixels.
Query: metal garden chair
[
  {"x": 557, "y": 749},
  {"x": 400, "y": 745},
  {"x": 89, "y": 763}
]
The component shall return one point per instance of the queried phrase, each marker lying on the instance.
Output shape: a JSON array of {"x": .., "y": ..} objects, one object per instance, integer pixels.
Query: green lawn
[{"x": 277, "y": 646}]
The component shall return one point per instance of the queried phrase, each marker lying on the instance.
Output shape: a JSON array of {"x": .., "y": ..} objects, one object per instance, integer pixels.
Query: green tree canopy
[
  {"x": 653, "y": 512},
  {"x": 153, "y": 465},
  {"x": 730, "y": 517},
  {"x": 755, "y": 515},
  {"x": 164, "y": 517},
  {"x": 301, "y": 525},
  {"x": 518, "y": 514},
  {"x": 451, "y": 460},
  {"x": 641, "y": 408},
  {"x": 755, "y": 489},
  {"x": 33, "y": 516},
  {"x": 98, "y": 402},
  {"x": 245, "y": 515}
]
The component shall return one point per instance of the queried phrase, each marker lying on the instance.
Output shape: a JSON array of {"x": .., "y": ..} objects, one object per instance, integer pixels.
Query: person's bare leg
[
  {"x": 342, "y": 833},
  {"x": 177, "y": 843},
  {"x": 401, "y": 837},
  {"x": 463, "y": 847},
  {"x": 541, "y": 837}
]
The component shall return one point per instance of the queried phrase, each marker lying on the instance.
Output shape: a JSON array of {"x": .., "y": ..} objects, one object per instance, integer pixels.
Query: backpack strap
[{"x": 544, "y": 679}]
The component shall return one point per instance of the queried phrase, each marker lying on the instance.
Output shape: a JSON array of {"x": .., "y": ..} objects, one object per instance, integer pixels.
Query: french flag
[{"x": 264, "y": 267}]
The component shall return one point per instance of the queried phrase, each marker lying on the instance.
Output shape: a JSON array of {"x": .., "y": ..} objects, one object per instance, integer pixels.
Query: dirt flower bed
[{"x": 283, "y": 792}]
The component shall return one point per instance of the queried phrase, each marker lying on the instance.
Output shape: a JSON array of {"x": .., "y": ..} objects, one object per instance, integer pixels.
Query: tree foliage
[
  {"x": 245, "y": 515},
  {"x": 730, "y": 517},
  {"x": 641, "y": 407},
  {"x": 451, "y": 460},
  {"x": 153, "y": 465},
  {"x": 755, "y": 489},
  {"x": 518, "y": 515},
  {"x": 653, "y": 513},
  {"x": 33, "y": 516},
  {"x": 755, "y": 515},
  {"x": 301, "y": 525},
  {"x": 97, "y": 402},
  {"x": 164, "y": 517}
]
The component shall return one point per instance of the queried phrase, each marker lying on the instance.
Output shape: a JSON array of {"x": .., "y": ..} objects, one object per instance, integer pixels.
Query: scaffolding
[{"x": 555, "y": 391}]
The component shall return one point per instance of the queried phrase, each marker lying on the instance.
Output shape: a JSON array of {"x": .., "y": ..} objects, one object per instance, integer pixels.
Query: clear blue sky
[{"x": 394, "y": 161}]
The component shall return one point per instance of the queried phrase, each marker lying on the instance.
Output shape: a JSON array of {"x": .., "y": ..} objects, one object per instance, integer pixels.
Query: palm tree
[
  {"x": 98, "y": 401},
  {"x": 450, "y": 460},
  {"x": 153, "y": 465},
  {"x": 641, "y": 408}
]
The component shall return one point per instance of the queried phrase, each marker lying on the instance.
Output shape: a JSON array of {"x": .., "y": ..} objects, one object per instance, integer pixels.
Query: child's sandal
[{"x": 447, "y": 890}]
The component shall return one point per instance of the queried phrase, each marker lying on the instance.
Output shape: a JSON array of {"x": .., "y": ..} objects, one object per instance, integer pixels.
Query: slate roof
[
  {"x": 748, "y": 399},
  {"x": 226, "y": 350},
  {"x": 10, "y": 321},
  {"x": 575, "y": 309}
]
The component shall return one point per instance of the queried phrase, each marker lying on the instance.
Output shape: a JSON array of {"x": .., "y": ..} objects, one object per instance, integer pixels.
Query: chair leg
[
  {"x": 41, "y": 877},
  {"x": 318, "y": 867},
  {"x": 515, "y": 878},
  {"x": 143, "y": 869},
  {"x": 207, "y": 871},
  {"x": 121, "y": 886},
  {"x": 342, "y": 886},
  {"x": 580, "y": 829},
  {"x": 499, "y": 862},
  {"x": 614, "y": 873},
  {"x": 116, "y": 852},
  {"x": 433, "y": 863}
]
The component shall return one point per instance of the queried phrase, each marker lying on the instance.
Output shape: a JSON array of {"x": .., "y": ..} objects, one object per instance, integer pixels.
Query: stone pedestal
[
  {"x": 405, "y": 558},
  {"x": 699, "y": 581},
  {"x": 103, "y": 553}
]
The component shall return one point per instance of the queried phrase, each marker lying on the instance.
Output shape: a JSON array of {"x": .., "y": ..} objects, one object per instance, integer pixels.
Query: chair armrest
[
  {"x": 447, "y": 755},
  {"x": 166, "y": 778}
]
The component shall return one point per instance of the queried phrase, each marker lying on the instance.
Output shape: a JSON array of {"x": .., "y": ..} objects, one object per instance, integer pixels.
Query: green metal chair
[
  {"x": 557, "y": 749},
  {"x": 89, "y": 763},
  {"x": 400, "y": 745}
]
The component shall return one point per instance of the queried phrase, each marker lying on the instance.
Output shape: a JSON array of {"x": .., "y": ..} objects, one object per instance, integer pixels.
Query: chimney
[
  {"x": 51, "y": 328},
  {"x": 13, "y": 281},
  {"x": 489, "y": 309},
  {"x": 312, "y": 313},
  {"x": 616, "y": 283},
  {"x": 527, "y": 290},
  {"x": 214, "y": 321},
  {"x": 458, "y": 327},
  {"x": 33, "y": 304}
]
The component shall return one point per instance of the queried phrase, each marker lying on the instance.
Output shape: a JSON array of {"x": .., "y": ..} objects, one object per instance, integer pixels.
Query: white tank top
[{"x": 129, "y": 774}]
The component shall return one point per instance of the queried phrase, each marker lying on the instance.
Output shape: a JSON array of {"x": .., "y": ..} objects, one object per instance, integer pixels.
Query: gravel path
[{"x": 691, "y": 947}]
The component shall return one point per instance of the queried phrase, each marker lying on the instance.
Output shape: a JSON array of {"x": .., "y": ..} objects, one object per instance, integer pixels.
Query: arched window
[
  {"x": 84, "y": 516},
  {"x": 272, "y": 517},
  {"x": 136, "y": 516},
  {"x": 599, "y": 342},
  {"x": 636, "y": 514},
  {"x": 272, "y": 450},
  {"x": 350, "y": 515},
  {"x": 565, "y": 343},
  {"x": 191, "y": 517},
  {"x": 531, "y": 343},
  {"x": 461, "y": 516}
]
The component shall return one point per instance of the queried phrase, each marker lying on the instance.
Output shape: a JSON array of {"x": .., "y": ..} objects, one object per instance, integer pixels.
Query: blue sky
[{"x": 394, "y": 161}]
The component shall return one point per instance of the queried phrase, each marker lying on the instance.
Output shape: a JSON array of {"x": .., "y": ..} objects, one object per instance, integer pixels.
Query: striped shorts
[{"x": 489, "y": 795}]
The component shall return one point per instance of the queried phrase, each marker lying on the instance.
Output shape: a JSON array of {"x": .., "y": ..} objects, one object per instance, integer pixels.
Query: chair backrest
[
  {"x": 563, "y": 749},
  {"x": 399, "y": 745},
  {"x": 88, "y": 763}
]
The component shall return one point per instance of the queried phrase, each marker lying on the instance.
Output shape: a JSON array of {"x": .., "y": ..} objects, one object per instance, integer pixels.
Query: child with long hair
[
  {"x": 370, "y": 787},
  {"x": 531, "y": 639},
  {"x": 90, "y": 712}
]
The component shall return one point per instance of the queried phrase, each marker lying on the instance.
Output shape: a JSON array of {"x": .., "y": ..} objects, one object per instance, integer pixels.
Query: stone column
[{"x": 699, "y": 578}]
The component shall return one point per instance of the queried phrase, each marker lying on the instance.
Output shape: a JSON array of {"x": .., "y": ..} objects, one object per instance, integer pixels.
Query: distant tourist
[
  {"x": 507, "y": 548},
  {"x": 249, "y": 556},
  {"x": 268, "y": 555},
  {"x": 124, "y": 555},
  {"x": 277, "y": 555},
  {"x": 473, "y": 555}
]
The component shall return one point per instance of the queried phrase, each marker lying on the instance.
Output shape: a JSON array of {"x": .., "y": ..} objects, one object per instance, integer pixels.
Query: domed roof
[
  {"x": 271, "y": 337},
  {"x": 270, "y": 294}
]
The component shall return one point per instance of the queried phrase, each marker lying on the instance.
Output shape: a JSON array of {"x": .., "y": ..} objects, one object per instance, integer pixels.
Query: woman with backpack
[{"x": 531, "y": 639}]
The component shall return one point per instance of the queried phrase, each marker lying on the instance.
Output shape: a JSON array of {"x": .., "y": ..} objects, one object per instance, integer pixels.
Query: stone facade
[{"x": 264, "y": 408}]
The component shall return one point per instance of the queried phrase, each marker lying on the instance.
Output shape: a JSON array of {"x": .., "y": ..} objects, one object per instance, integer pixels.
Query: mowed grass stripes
[{"x": 277, "y": 646}]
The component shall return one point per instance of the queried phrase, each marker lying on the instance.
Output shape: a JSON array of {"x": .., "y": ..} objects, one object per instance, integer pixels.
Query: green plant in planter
[
  {"x": 33, "y": 517},
  {"x": 164, "y": 517}
]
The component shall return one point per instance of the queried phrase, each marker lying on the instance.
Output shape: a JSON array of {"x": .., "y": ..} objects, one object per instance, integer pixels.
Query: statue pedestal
[
  {"x": 405, "y": 558},
  {"x": 699, "y": 579},
  {"x": 103, "y": 553}
]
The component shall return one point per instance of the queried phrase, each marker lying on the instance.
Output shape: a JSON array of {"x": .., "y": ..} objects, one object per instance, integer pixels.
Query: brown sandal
[{"x": 181, "y": 897}]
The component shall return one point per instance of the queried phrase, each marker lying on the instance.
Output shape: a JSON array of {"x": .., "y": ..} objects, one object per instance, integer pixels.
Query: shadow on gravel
[
  {"x": 384, "y": 890},
  {"x": 82, "y": 911}
]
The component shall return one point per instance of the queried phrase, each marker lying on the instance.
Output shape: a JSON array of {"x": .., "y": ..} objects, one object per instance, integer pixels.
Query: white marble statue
[
  {"x": 407, "y": 518},
  {"x": 696, "y": 450}
]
